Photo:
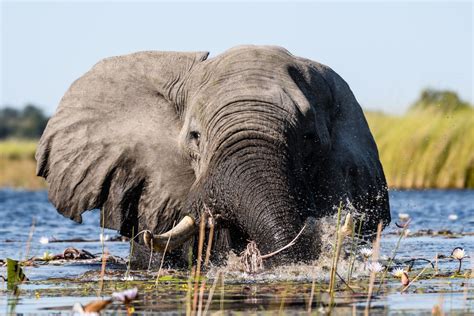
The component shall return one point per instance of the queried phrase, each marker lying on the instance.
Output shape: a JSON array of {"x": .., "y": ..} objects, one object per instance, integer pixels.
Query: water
[{"x": 58, "y": 287}]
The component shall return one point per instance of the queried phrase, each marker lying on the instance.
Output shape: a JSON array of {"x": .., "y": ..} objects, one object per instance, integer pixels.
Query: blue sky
[{"x": 386, "y": 51}]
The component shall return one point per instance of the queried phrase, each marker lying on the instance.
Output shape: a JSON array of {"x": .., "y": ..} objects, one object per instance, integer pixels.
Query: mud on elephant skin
[{"x": 261, "y": 139}]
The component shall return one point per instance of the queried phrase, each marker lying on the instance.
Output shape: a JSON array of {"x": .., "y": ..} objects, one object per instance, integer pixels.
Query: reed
[
  {"x": 311, "y": 295},
  {"x": 337, "y": 252},
  {"x": 30, "y": 238},
  {"x": 189, "y": 291},
  {"x": 375, "y": 257},
  {"x": 416, "y": 278},
  {"x": 354, "y": 243},
  {"x": 104, "y": 252},
  {"x": 211, "y": 292},
  {"x": 394, "y": 253},
  {"x": 425, "y": 148},
  {"x": 197, "y": 276},
  {"x": 102, "y": 271},
  {"x": 221, "y": 300},
  {"x": 162, "y": 261},
  {"x": 127, "y": 273},
  {"x": 210, "y": 238},
  {"x": 281, "y": 310}
]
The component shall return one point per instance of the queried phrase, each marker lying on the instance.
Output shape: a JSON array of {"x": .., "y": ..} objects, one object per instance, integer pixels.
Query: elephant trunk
[{"x": 254, "y": 182}]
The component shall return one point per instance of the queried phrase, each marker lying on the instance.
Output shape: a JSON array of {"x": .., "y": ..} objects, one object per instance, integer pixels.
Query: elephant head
[{"x": 263, "y": 140}]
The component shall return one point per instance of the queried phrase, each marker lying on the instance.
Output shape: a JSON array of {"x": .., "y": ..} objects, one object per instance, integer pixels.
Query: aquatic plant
[
  {"x": 404, "y": 278},
  {"x": 398, "y": 272},
  {"x": 375, "y": 267},
  {"x": 409, "y": 283},
  {"x": 453, "y": 217},
  {"x": 336, "y": 254},
  {"x": 126, "y": 297},
  {"x": 366, "y": 252},
  {"x": 404, "y": 233},
  {"x": 404, "y": 216},
  {"x": 348, "y": 227},
  {"x": 375, "y": 257},
  {"x": 163, "y": 256},
  {"x": 459, "y": 254},
  {"x": 352, "y": 256}
]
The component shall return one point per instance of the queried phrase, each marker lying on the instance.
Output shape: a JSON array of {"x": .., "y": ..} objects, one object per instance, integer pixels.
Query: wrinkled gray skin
[{"x": 268, "y": 141}]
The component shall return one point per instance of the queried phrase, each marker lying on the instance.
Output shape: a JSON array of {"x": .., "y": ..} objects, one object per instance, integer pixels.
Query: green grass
[
  {"x": 426, "y": 149},
  {"x": 17, "y": 149},
  {"x": 18, "y": 165}
]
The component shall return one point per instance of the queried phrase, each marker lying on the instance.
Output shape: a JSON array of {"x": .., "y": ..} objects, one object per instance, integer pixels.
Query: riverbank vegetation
[{"x": 430, "y": 146}]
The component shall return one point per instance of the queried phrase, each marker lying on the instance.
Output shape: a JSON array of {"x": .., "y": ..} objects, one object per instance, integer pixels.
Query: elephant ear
[
  {"x": 352, "y": 157},
  {"x": 112, "y": 144}
]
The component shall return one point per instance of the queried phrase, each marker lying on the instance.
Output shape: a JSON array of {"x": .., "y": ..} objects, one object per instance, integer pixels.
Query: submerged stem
[
  {"x": 337, "y": 250},
  {"x": 392, "y": 257}
]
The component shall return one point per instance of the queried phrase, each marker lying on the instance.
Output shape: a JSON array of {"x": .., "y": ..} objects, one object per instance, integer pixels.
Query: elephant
[{"x": 263, "y": 142}]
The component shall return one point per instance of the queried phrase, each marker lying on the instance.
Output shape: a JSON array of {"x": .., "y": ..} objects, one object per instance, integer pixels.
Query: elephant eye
[
  {"x": 194, "y": 138},
  {"x": 195, "y": 135}
]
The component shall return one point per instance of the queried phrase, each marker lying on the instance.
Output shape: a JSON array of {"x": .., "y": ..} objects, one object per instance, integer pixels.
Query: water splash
[{"x": 317, "y": 270}]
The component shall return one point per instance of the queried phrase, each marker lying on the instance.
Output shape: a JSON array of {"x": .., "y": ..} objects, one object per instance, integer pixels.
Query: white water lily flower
[
  {"x": 44, "y": 240},
  {"x": 128, "y": 278},
  {"x": 458, "y": 253},
  {"x": 375, "y": 267},
  {"x": 366, "y": 252},
  {"x": 398, "y": 272},
  {"x": 453, "y": 217},
  {"x": 404, "y": 216},
  {"x": 126, "y": 296}
]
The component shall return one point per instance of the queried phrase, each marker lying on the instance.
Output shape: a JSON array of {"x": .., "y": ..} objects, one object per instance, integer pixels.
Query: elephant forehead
[
  {"x": 285, "y": 102},
  {"x": 246, "y": 73},
  {"x": 268, "y": 61}
]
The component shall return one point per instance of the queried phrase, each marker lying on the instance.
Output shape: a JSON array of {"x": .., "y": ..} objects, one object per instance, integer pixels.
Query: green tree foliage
[
  {"x": 27, "y": 123},
  {"x": 439, "y": 100}
]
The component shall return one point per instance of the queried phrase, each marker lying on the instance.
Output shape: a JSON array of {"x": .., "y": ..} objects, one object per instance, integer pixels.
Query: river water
[{"x": 25, "y": 213}]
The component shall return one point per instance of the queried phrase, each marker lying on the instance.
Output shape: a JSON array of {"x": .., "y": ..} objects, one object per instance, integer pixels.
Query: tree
[
  {"x": 440, "y": 100},
  {"x": 26, "y": 123}
]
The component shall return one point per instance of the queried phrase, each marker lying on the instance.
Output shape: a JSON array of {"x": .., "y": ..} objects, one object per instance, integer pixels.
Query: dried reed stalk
[
  {"x": 197, "y": 276},
  {"x": 30, "y": 237},
  {"x": 375, "y": 257},
  {"x": 209, "y": 240},
  {"x": 211, "y": 292},
  {"x": 337, "y": 252},
  {"x": 102, "y": 271},
  {"x": 163, "y": 257}
]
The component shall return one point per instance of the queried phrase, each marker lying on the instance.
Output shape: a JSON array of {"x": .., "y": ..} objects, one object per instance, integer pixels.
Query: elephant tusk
[{"x": 172, "y": 238}]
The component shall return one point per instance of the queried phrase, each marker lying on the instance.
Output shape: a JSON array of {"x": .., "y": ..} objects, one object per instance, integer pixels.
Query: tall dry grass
[
  {"x": 426, "y": 149},
  {"x": 18, "y": 165}
]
